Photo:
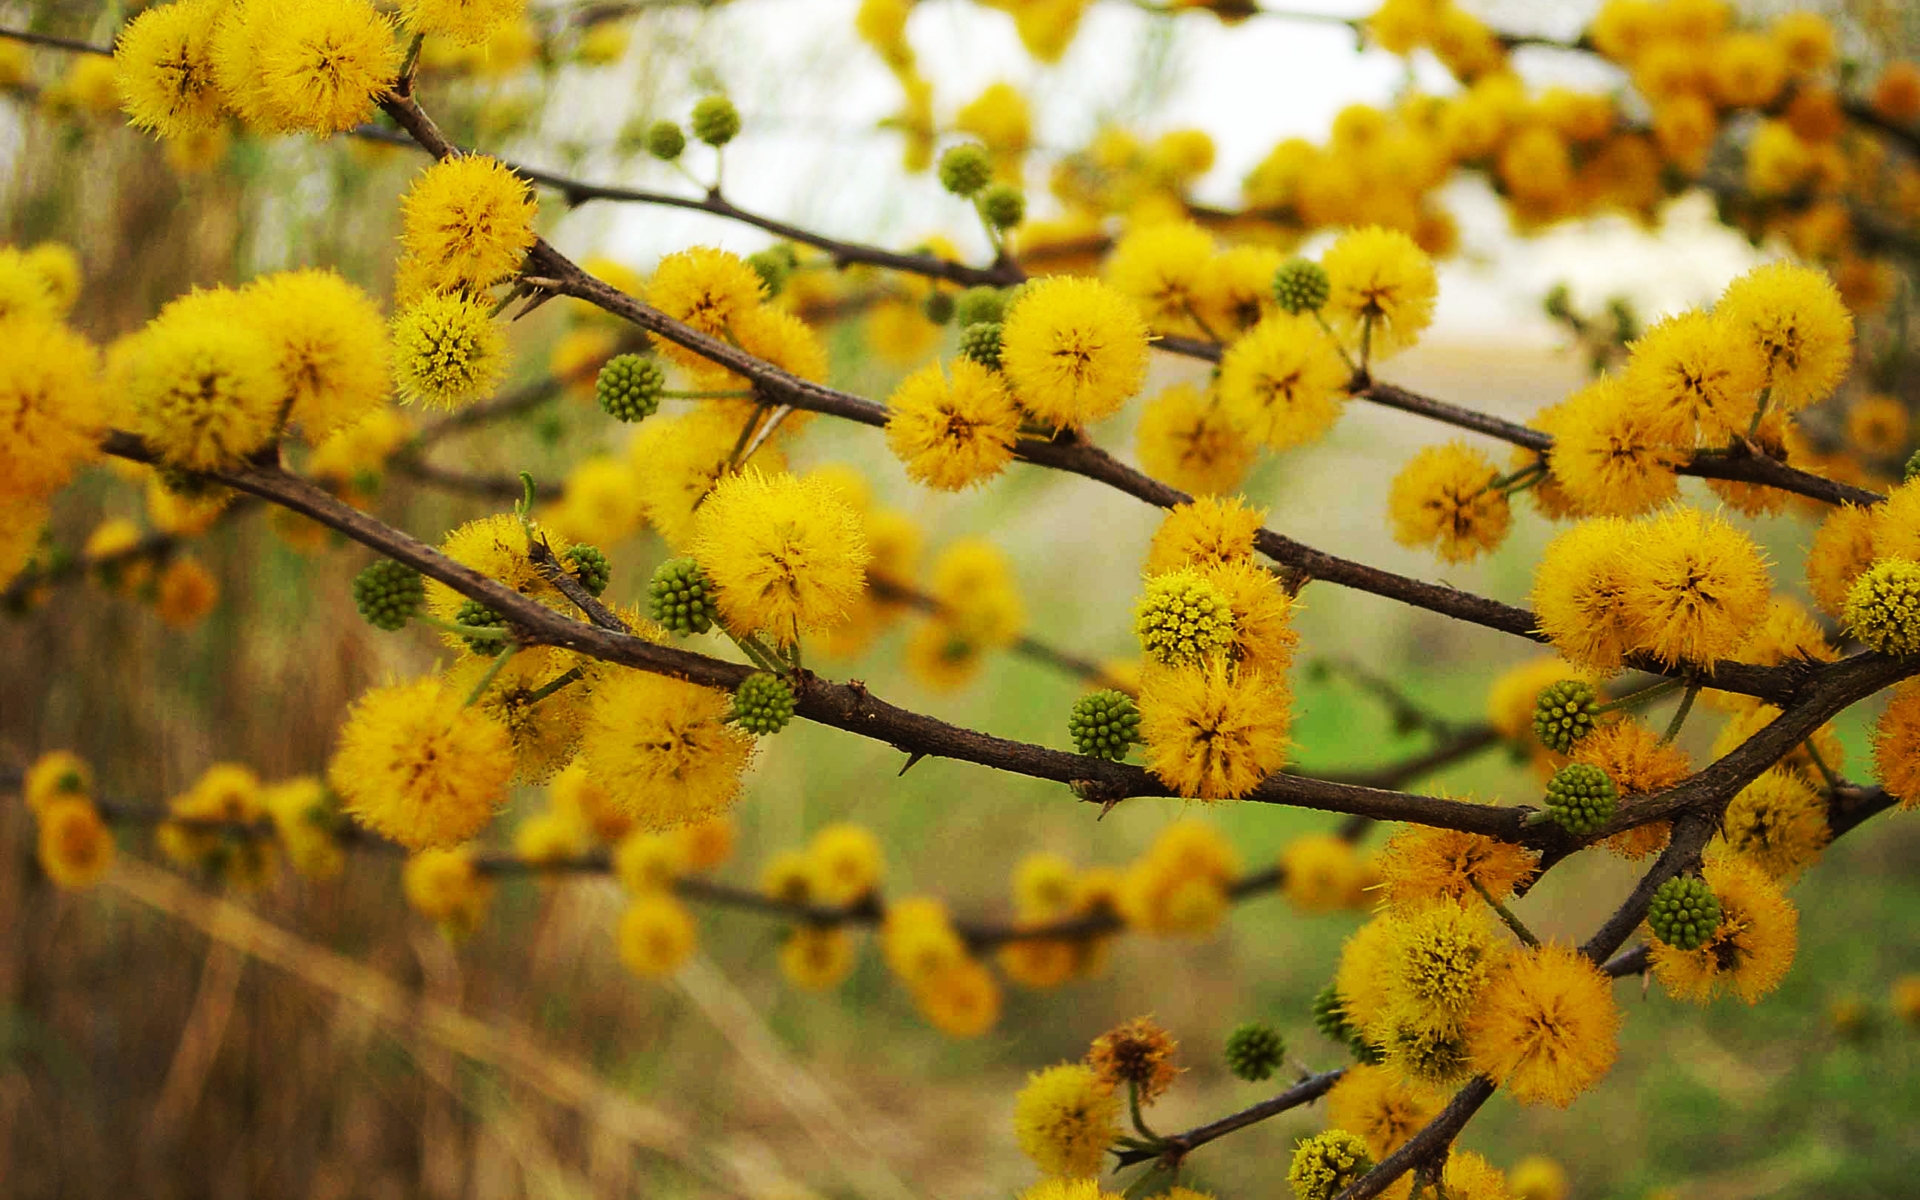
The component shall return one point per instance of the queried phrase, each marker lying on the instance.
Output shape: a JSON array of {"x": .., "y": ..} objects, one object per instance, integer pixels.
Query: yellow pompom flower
[
  {"x": 1056, "y": 1188},
  {"x": 1186, "y": 439},
  {"x": 75, "y": 847},
  {"x": 1262, "y": 638},
  {"x": 785, "y": 553},
  {"x": 25, "y": 290},
  {"x": 1608, "y": 454},
  {"x": 1043, "y": 886},
  {"x": 185, "y": 593},
  {"x": 320, "y": 66},
  {"x": 1205, "y": 533},
  {"x": 1383, "y": 289},
  {"x": 496, "y": 547},
  {"x": 305, "y": 822},
  {"x": 663, "y": 748},
  {"x": 656, "y": 935},
  {"x": 1895, "y": 525},
  {"x": 1362, "y": 967},
  {"x": 1843, "y": 548},
  {"x": 1696, "y": 375},
  {"x": 1444, "y": 497},
  {"x": 1065, "y": 1118},
  {"x": 1442, "y": 955},
  {"x": 1576, "y": 593},
  {"x": 1379, "y": 1106},
  {"x": 952, "y": 426},
  {"x": 846, "y": 863},
  {"x": 1751, "y": 951},
  {"x": 1236, "y": 290},
  {"x": 1321, "y": 874},
  {"x": 51, "y": 405},
  {"x": 446, "y": 887},
  {"x": 1896, "y": 745},
  {"x": 1883, "y": 606},
  {"x": 1325, "y": 1164},
  {"x": 1795, "y": 316},
  {"x": 917, "y": 939},
  {"x": 1778, "y": 823},
  {"x": 962, "y": 1000},
  {"x": 1537, "y": 1177},
  {"x": 544, "y": 732},
  {"x": 447, "y": 353},
  {"x": 468, "y": 223},
  {"x": 973, "y": 581},
  {"x": 163, "y": 69},
  {"x": 1181, "y": 619},
  {"x": 329, "y": 347},
  {"x": 55, "y": 775},
  {"x": 1824, "y": 744},
  {"x": 1746, "y": 70},
  {"x": 414, "y": 764},
  {"x": 1693, "y": 587},
  {"x": 1546, "y": 1027},
  {"x": 707, "y": 289},
  {"x": 202, "y": 390},
  {"x": 1282, "y": 382},
  {"x": 1877, "y": 426},
  {"x": 1639, "y": 763},
  {"x": 1162, "y": 268},
  {"x": 1073, "y": 349},
  {"x": 677, "y": 461},
  {"x": 650, "y": 862},
  {"x": 1215, "y": 731},
  {"x": 598, "y": 503},
  {"x": 1420, "y": 863},
  {"x": 817, "y": 958},
  {"x": 464, "y": 22}
]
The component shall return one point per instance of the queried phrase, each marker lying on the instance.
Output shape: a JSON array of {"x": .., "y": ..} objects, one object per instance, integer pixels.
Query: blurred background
[{"x": 351, "y": 1050}]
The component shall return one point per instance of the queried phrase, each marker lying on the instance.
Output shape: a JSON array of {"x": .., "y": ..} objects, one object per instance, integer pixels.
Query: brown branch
[
  {"x": 72, "y": 45},
  {"x": 1175, "y": 1148}
]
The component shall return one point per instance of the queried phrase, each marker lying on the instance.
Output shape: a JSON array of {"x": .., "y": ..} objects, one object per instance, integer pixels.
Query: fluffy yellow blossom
[
  {"x": 467, "y": 223},
  {"x": 1576, "y": 593},
  {"x": 305, "y": 822},
  {"x": 545, "y": 732},
  {"x": 707, "y": 289},
  {"x": 1751, "y": 951},
  {"x": 656, "y": 935},
  {"x": 1384, "y": 290},
  {"x": 962, "y": 1000},
  {"x": 1180, "y": 885},
  {"x": 1236, "y": 290},
  {"x": 1778, "y": 823},
  {"x": 1186, "y": 439},
  {"x": 1694, "y": 586},
  {"x": 414, "y": 764},
  {"x": 1421, "y": 863},
  {"x": 1379, "y": 1106},
  {"x": 203, "y": 390},
  {"x": 1445, "y": 498},
  {"x": 1844, "y": 547},
  {"x": 1877, "y": 426},
  {"x": 952, "y": 426},
  {"x": 318, "y": 66},
  {"x": 845, "y": 862},
  {"x": 1325, "y": 1164},
  {"x": 1609, "y": 455},
  {"x": 678, "y": 460},
  {"x": 1282, "y": 382},
  {"x": 495, "y": 546},
  {"x": 599, "y": 502},
  {"x": 1639, "y": 763},
  {"x": 465, "y": 22},
  {"x": 817, "y": 958},
  {"x": 917, "y": 939},
  {"x": 1163, "y": 268},
  {"x": 75, "y": 847},
  {"x": 1205, "y": 533},
  {"x": 973, "y": 581},
  {"x": 185, "y": 593},
  {"x": 1074, "y": 350},
  {"x": 1321, "y": 874},
  {"x": 51, "y": 406},
  {"x": 1546, "y": 1027},
  {"x": 1137, "y": 1052},
  {"x": 1065, "y": 1118},
  {"x": 998, "y": 116},
  {"x": 663, "y": 748},
  {"x": 26, "y": 290},
  {"x": 163, "y": 68},
  {"x": 447, "y": 352},
  {"x": 329, "y": 347},
  {"x": 1696, "y": 375},
  {"x": 1883, "y": 606},
  {"x": 1796, "y": 317},
  {"x": 446, "y": 887},
  {"x": 1215, "y": 731},
  {"x": 55, "y": 775},
  {"x": 1262, "y": 637},
  {"x": 1439, "y": 962},
  {"x": 1896, "y": 745},
  {"x": 1537, "y": 1177},
  {"x": 785, "y": 553}
]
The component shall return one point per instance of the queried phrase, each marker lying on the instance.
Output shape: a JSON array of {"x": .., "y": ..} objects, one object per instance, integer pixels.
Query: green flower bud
[
  {"x": 629, "y": 387},
  {"x": 589, "y": 566},
  {"x": 680, "y": 597},
  {"x": 1684, "y": 912},
  {"x": 472, "y": 612},
  {"x": 981, "y": 343},
  {"x": 979, "y": 304},
  {"x": 762, "y": 704},
  {"x": 1003, "y": 205},
  {"x": 772, "y": 267},
  {"x": 1581, "y": 798},
  {"x": 1912, "y": 468},
  {"x": 1330, "y": 1014},
  {"x": 1565, "y": 712},
  {"x": 1104, "y": 724},
  {"x": 716, "y": 121},
  {"x": 1300, "y": 285},
  {"x": 1255, "y": 1051},
  {"x": 938, "y": 307},
  {"x": 389, "y": 594},
  {"x": 665, "y": 141},
  {"x": 965, "y": 169}
]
